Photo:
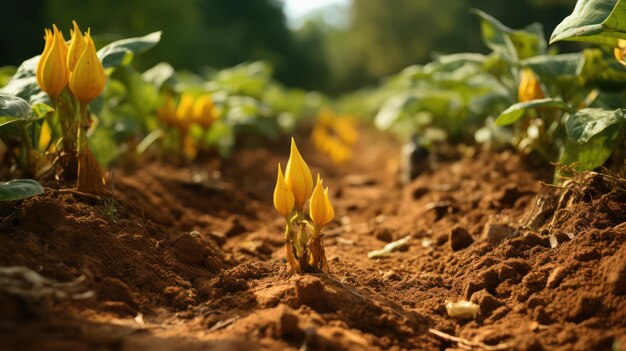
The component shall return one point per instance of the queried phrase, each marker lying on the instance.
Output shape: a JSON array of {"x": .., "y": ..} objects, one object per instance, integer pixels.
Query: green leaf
[
  {"x": 13, "y": 109},
  {"x": 121, "y": 52},
  {"x": 13, "y": 106},
  {"x": 516, "y": 111},
  {"x": 584, "y": 124},
  {"x": 19, "y": 189},
  {"x": 595, "y": 21},
  {"x": 591, "y": 154},
  {"x": 512, "y": 44},
  {"x": 554, "y": 67},
  {"x": 159, "y": 74},
  {"x": 24, "y": 84},
  {"x": 391, "y": 110},
  {"x": 40, "y": 110}
]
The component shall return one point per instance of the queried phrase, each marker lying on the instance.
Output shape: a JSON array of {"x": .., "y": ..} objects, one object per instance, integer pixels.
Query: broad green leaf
[
  {"x": 591, "y": 154},
  {"x": 516, "y": 111},
  {"x": 461, "y": 57},
  {"x": 598, "y": 70},
  {"x": 584, "y": 124},
  {"x": 13, "y": 106},
  {"x": 595, "y": 21},
  {"x": 121, "y": 52},
  {"x": 159, "y": 74},
  {"x": 495, "y": 35},
  {"x": 554, "y": 67},
  {"x": 13, "y": 109},
  {"x": 512, "y": 44},
  {"x": 24, "y": 84},
  {"x": 19, "y": 189},
  {"x": 40, "y": 110}
]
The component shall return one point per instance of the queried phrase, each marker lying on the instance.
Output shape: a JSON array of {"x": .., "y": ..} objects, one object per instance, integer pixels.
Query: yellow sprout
[
  {"x": 283, "y": 197},
  {"x": 52, "y": 73},
  {"x": 77, "y": 47},
  {"x": 298, "y": 177},
  {"x": 184, "y": 113},
  {"x": 88, "y": 79},
  {"x": 321, "y": 210},
  {"x": 330, "y": 210},
  {"x": 334, "y": 136},
  {"x": 529, "y": 87},
  {"x": 167, "y": 112},
  {"x": 344, "y": 128},
  {"x": 204, "y": 113}
]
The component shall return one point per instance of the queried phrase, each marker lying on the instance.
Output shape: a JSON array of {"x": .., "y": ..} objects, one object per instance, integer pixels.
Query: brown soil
[{"x": 192, "y": 259}]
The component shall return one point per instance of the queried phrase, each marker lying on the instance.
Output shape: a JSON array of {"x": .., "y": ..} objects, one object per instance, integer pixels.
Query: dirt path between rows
[{"x": 192, "y": 259}]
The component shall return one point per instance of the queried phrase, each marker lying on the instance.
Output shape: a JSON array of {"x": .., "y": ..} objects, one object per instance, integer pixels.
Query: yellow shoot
[
  {"x": 52, "y": 73},
  {"x": 88, "y": 79},
  {"x": 320, "y": 209},
  {"x": 529, "y": 87},
  {"x": 283, "y": 197},
  {"x": 298, "y": 177}
]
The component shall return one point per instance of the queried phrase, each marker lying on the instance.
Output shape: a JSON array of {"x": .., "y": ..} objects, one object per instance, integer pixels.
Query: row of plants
[
  {"x": 565, "y": 108},
  {"x": 71, "y": 111}
]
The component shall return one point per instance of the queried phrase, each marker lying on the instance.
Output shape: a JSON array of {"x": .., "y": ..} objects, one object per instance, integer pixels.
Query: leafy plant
[
  {"x": 58, "y": 88},
  {"x": 596, "y": 134}
]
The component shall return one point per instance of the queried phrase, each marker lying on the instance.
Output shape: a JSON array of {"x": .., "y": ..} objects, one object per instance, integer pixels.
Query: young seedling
[
  {"x": 73, "y": 77},
  {"x": 303, "y": 236}
]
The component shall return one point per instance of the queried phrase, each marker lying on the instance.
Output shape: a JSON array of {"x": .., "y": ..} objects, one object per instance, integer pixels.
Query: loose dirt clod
[{"x": 460, "y": 238}]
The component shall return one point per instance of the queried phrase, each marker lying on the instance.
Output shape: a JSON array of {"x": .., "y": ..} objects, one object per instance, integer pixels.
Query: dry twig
[
  {"x": 468, "y": 344},
  {"x": 25, "y": 282}
]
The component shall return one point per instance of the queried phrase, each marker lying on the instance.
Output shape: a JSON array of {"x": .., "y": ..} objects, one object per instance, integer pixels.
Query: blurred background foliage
[{"x": 334, "y": 50}]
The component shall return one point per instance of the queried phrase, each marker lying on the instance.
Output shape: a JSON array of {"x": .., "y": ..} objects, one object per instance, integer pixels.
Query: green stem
[
  {"x": 26, "y": 148},
  {"x": 83, "y": 125}
]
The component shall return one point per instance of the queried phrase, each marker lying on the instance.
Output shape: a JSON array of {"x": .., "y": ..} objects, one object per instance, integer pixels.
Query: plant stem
[{"x": 26, "y": 148}]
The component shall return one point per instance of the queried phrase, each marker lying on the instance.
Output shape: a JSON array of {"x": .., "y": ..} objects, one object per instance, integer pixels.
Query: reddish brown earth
[{"x": 184, "y": 259}]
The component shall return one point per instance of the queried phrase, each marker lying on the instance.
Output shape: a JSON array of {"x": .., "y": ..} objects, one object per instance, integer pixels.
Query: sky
[{"x": 298, "y": 10}]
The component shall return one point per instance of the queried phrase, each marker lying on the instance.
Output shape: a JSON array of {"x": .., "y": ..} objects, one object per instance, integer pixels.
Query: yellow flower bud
[
  {"x": 344, "y": 128},
  {"x": 529, "y": 87},
  {"x": 167, "y": 112},
  {"x": 330, "y": 210},
  {"x": 619, "y": 51},
  {"x": 49, "y": 38},
  {"x": 52, "y": 73},
  {"x": 88, "y": 78},
  {"x": 320, "y": 210},
  {"x": 298, "y": 177},
  {"x": 184, "y": 113},
  {"x": 283, "y": 197},
  {"x": 204, "y": 113},
  {"x": 77, "y": 47}
]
